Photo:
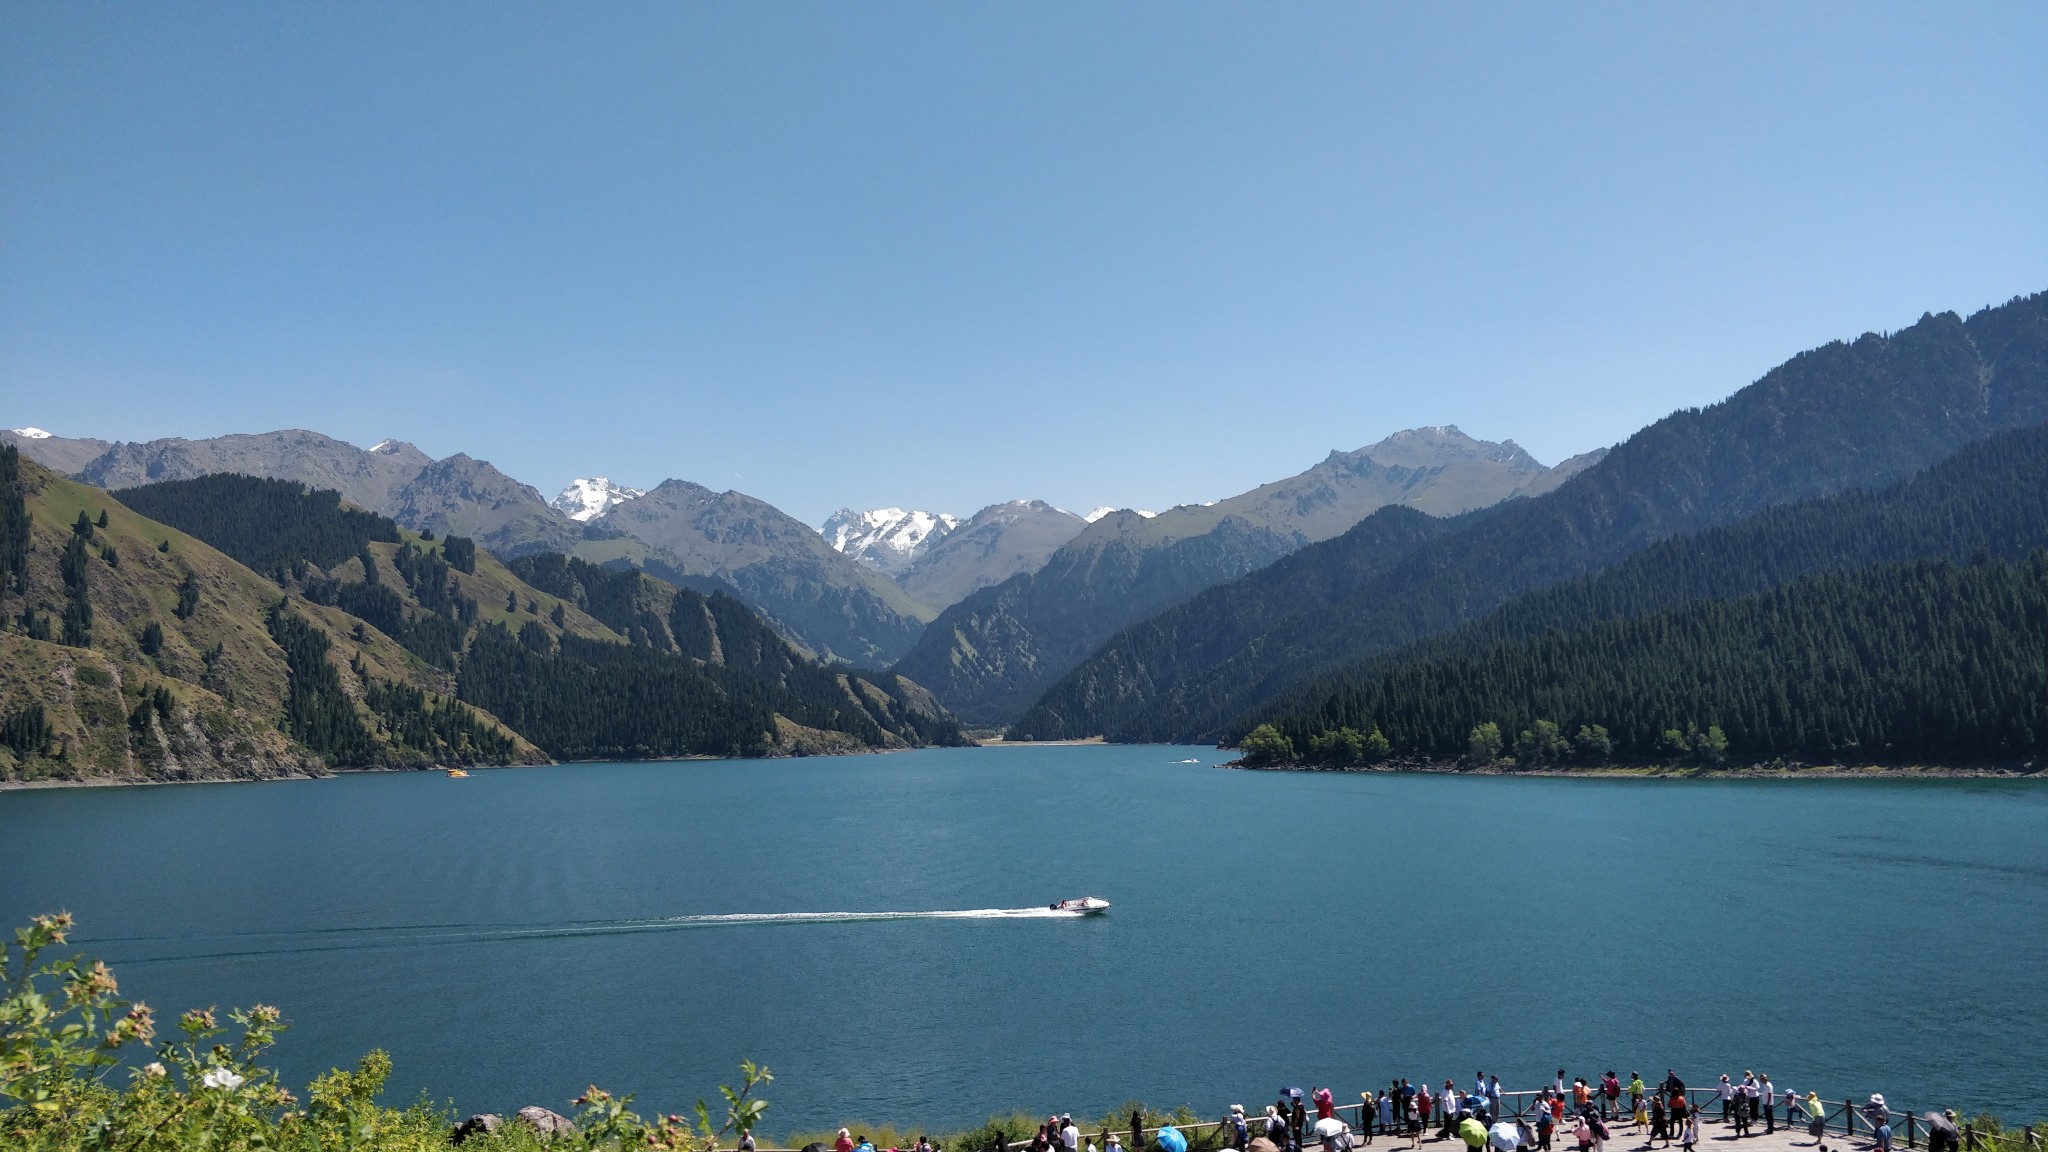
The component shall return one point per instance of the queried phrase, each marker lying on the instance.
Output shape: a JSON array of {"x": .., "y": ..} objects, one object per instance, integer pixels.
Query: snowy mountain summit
[
  {"x": 886, "y": 539},
  {"x": 31, "y": 433},
  {"x": 587, "y": 499}
]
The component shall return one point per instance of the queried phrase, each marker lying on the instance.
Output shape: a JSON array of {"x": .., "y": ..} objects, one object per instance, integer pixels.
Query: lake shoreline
[
  {"x": 2025, "y": 770},
  {"x": 138, "y": 782}
]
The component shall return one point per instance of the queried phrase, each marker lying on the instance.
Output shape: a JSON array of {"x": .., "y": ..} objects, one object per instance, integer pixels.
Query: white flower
[
  {"x": 221, "y": 1078},
  {"x": 155, "y": 1070}
]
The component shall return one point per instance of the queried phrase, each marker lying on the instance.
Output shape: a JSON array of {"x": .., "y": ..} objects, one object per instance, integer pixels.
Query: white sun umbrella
[
  {"x": 1329, "y": 1126},
  {"x": 1505, "y": 1136}
]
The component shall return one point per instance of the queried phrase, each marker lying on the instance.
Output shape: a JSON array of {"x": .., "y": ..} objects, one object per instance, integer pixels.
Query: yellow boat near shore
[{"x": 457, "y": 774}]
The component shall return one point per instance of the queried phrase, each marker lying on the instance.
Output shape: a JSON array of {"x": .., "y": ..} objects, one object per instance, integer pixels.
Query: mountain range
[
  {"x": 938, "y": 559},
  {"x": 991, "y": 655},
  {"x": 861, "y": 592},
  {"x": 149, "y": 645},
  {"x": 1280, "y": 611},
  {"x": 1854, "y": 414}
]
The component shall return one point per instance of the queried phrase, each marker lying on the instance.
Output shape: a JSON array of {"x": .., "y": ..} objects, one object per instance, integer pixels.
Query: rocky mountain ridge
[
  {"x": 991, "y": 655},
  {"x": 587, "y": 498},
  {"x": 888, "y": 540}
]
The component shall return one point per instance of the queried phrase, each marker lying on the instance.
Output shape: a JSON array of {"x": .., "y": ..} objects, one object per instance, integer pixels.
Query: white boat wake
[{"x": 238, "y": 944}]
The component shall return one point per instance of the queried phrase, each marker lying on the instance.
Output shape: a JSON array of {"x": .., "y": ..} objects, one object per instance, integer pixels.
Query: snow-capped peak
[
  {"x": 30, "y": 433},
  {"x": 587, "y": 499},
  {"x": 887, "y": 539},
  {"x": 1105, "y": 510},
  {"x": 381, "y": 445}
]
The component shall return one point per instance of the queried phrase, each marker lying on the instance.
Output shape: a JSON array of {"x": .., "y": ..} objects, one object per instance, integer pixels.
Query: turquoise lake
[{"x": 508, "y": 937}]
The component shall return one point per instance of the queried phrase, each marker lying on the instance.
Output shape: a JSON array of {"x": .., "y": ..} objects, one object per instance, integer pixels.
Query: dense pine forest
[
  {"x": 266, "y": 524},
  {"x": 1989, "y": 499},
  {"x": 717, "y": 694},
  {"x": 1923, "y": 662},
  {"x": 1864, "y": 413}
]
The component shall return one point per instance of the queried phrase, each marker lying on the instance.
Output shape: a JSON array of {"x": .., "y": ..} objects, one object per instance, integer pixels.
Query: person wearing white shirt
[{"x": 1770, "y": 1100}]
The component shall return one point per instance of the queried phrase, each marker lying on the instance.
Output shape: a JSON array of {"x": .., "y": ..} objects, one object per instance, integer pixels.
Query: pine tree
[
  {"x": 14, "y": 524},
  {"x": 188, "y": 596}
]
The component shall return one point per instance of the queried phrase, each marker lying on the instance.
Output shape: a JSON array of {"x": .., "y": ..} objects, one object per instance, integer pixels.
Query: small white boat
[{"x": 1088, "y": 905}]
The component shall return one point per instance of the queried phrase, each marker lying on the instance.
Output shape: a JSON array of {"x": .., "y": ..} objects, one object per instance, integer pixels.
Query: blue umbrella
[{"x": 1171, "y": 1139}]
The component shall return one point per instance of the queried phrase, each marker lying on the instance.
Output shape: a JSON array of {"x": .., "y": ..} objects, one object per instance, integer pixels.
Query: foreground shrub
[{"x": 67, "y": 1039}]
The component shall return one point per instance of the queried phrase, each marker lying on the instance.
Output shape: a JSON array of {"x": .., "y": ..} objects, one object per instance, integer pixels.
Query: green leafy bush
[{"x": 66, "y": 1035}]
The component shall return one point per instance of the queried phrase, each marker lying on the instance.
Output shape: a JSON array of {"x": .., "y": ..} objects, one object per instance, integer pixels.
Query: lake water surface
[{"x": 507, "y": 937}]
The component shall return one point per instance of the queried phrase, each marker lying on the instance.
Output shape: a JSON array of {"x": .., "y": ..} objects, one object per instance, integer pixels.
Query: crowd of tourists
[{"x": 1587, "y": 1113}]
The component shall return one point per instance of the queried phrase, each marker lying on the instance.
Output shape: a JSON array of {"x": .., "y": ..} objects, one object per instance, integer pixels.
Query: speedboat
[
  {"x": 1086, "y": 905},
  {"x": 457, "y": 774}
]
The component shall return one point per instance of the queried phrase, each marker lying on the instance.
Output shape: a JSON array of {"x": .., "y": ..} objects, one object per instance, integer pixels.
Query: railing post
[
  {"x": 1969, "y": 1137},
  {"x": 1911, "y": 1119}
]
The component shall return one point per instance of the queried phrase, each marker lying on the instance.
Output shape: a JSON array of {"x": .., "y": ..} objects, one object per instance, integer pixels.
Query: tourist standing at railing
[
  {"x": 1659, "y": 1129},
  {"x": 1681, "y": 1112},
  {"x": 1326, "y": 1104},
  {"x": 1942, "y": 1135},
  {"x": 1816, "y": 1120},
  {"x": 1769, "y": 1096},
  {"x": 1241, "y": 1133},
  {"x": 1297, "y": 1122},
  {"x": 1726, "y": 1090},
  {"x": 1545, "y": 1125},
  {"x": 1492, "y": 1099},
  {"x": 1423, "y": 1103},
  {"x": 1446, "y": 1110},
  {"x": 1635, "y": 1094},
  {"x": 1276, "y": 1126},
  {"x": 1138, "y": 1131},
  {"x": 1070, "y": 1134}
]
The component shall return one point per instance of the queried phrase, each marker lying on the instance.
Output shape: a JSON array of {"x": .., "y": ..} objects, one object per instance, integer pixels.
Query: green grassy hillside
[
  {"x": 361, "y": 645},
  {"x": 172, "y": 672}
]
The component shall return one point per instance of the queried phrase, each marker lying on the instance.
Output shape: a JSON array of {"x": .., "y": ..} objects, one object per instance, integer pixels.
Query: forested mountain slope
[
  {"x": 373, "y": 647},
  {"x": 459, "y": 494},
  {"x": 989, "y": 656},
  {"x": 134, "y": 650},
  {"x": 1925, "y": 662},
  {"x": 1988, "y": 502},
  {"x": 818, "y": 599},
  {"x": 1858, "y": 414},
  {"x": 829, "y": 602}
]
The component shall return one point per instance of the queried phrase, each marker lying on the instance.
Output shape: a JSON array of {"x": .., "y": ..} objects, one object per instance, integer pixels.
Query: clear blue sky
[{"x": 939, "y": 255}]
